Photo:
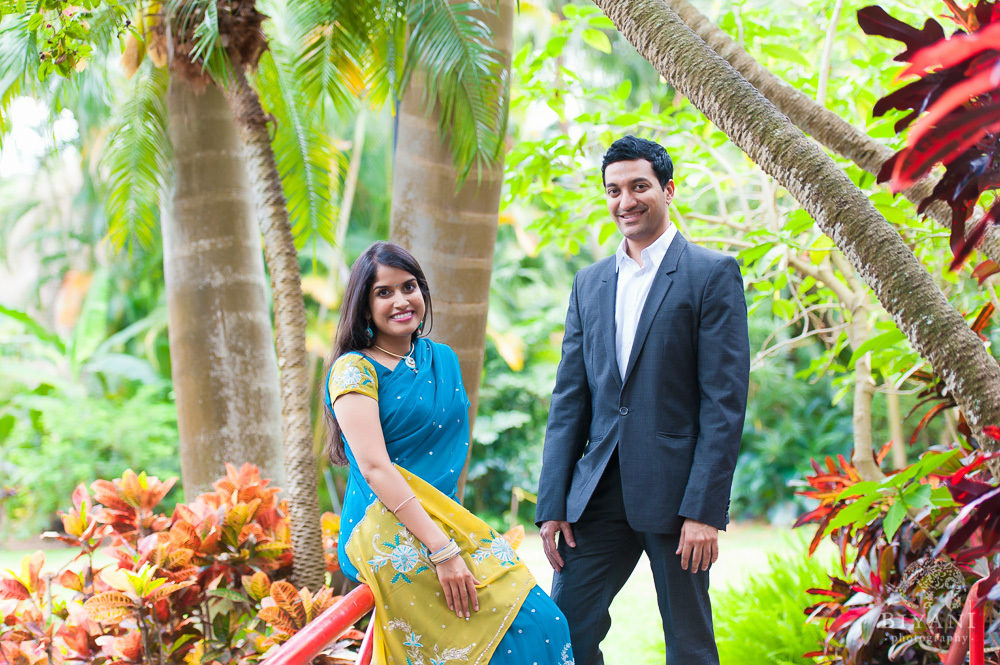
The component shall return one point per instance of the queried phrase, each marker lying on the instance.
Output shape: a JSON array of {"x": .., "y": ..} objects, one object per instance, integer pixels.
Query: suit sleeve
[
  {"x": 723, "y": 378},
  {"x": 569, "y": 420}
]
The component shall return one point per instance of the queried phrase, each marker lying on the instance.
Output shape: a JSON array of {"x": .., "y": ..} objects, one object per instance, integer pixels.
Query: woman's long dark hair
[{"x": 355, "y": 316}]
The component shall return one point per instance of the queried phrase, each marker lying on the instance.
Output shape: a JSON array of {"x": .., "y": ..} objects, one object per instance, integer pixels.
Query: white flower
[
  {"x": 502, "y": 550},
  {"x": 351, "y": 377},
  {"x": 404, "y": 558}
]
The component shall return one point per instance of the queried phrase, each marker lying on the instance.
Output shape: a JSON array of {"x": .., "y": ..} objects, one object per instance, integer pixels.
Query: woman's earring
[
  {"x": 420, "y": 328},
  {"x": 369, "y": 333}
]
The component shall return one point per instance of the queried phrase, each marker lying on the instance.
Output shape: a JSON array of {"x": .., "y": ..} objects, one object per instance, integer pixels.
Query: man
[{"x": 646, "y": 417}]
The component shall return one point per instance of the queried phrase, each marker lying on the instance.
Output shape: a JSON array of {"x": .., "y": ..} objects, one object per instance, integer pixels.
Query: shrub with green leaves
[{"x": 761, "y": 622}]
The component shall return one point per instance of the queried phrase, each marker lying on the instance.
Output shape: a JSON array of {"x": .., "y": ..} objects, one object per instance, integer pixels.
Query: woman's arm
[{"x": 358, "y": 417}]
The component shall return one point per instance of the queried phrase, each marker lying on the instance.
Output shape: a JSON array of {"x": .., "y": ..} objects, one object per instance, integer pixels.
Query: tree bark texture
[
  {"x": 814, "y": 119},
  {"x": 221, "y": 348},
  {"x": 840, "y": 209},
  {"x": 290, "y": 323},
  {"x": 452, "y": 232}
]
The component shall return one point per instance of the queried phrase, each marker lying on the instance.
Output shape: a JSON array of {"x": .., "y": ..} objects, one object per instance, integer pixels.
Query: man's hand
[
  {"x": 699, "y": 545},
  {"x": 548, "y": 533}
]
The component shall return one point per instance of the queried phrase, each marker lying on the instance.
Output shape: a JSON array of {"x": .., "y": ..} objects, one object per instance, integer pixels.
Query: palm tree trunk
[
  {"x": 841, "y": 211},
  {"x": 451, "y": 231},
  {"x": 221, "y": 349},
  {"x": 815, "y": 119},
  {"x": 290, "y": 323}
]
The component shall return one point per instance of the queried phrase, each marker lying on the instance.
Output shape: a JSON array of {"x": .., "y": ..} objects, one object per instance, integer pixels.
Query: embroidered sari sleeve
[{"x": 352, "y": 373}]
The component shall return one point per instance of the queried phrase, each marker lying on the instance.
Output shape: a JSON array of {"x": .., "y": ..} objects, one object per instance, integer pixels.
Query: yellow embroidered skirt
[{"x": 414, "y": 624}]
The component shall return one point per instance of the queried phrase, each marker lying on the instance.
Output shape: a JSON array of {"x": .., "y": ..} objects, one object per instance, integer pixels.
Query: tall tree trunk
[
  {"x": 309, "y": 566},
  {"x": 221, "y": 348},
  {"x": 815, "y": 119},
  {"x": 840, "y": 209},
  {"x": 452, "y": 232}
]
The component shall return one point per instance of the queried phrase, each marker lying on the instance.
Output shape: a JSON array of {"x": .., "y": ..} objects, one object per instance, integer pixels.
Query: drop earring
[
  {"x": 369, "y": 333},
  {"x": 420, "y": 328}
]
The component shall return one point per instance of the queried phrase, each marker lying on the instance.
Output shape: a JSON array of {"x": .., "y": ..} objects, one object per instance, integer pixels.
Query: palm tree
[
  {"x": 872, "y": 246},
  {"x": 348, "y": 47},
  {"x": 446, "y": 216},
  {"x": 221, "y": 343}
]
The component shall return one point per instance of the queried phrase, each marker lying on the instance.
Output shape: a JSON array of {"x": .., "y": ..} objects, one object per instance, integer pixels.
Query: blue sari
[{"x": 424, "y": 418}]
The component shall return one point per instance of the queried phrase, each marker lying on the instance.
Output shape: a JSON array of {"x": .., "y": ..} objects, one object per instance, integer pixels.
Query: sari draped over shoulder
[{"x": 425, "y": 423}]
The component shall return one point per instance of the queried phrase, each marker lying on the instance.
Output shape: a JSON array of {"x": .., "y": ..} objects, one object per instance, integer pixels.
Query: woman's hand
[{"x": 459, "y": 586}]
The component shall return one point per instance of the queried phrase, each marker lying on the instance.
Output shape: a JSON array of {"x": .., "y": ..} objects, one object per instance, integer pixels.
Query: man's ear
[{"x": 668, "y": 191}]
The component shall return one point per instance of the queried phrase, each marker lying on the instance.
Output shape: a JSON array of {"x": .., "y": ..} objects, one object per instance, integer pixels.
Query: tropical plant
[
  {"x": 918, "y": 542},
  {"x": 344, "y": 48},
  {"x": 760, "y": 622},
  {"x": 952, "y": 112},
  {"x": 91, "y": 399},
  {"x": 205, "y": 585}
]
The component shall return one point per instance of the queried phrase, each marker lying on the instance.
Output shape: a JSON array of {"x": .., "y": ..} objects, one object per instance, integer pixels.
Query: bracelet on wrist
[{"x": 449, "y": 551}]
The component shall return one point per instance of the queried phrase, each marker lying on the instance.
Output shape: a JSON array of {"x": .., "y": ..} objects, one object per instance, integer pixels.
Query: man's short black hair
[{"x": 629, "y": 148}]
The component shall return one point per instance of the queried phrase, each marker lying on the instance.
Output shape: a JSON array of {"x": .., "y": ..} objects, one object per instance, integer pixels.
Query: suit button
[{"x": 623, "y": 410}]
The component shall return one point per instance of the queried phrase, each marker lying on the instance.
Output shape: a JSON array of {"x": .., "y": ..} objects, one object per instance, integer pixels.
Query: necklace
[{"x": 407, "y": 359}]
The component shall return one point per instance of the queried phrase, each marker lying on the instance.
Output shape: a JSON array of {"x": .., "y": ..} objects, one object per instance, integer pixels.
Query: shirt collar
[{"x": 653, "y": 254}]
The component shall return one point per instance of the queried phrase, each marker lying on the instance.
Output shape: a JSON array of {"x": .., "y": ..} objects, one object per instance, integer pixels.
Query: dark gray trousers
[{"x": 606, "y": 552}]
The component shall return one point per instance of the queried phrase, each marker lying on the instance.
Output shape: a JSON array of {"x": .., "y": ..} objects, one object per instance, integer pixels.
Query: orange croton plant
[{"x": 207, "y": 584}]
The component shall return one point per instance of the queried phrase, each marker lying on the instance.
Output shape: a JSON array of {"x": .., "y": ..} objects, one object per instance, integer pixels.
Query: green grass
[{"x": 54, "y": 559}]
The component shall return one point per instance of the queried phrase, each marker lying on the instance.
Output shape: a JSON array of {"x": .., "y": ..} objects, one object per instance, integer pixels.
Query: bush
[
  {"x": 207, "y": 585},
  {"x": 762, "y": 623},
  {"x": 912, "y": 547}
]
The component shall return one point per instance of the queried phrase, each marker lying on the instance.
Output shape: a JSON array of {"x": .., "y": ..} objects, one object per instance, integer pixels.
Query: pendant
[{"x": 411, "y": 363}]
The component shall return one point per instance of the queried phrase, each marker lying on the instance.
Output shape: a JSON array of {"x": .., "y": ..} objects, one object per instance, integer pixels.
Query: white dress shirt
[{"x": 633, "y": 287}]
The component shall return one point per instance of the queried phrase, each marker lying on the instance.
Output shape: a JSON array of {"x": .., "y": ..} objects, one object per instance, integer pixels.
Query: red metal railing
[{"x": 328, "y": 626}]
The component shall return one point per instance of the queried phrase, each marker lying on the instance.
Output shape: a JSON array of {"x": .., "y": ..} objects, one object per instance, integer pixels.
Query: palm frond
[
  {"x": 137, "y": 159},
  {"x": 197, "y": 36},
  {"x": 386, "y": 61},
  {"x": 332, "y": 38},
  {"x": 18, "y": 63},
  {"x": 466, "y": 77},
  {"x": 309, "y": 164}
]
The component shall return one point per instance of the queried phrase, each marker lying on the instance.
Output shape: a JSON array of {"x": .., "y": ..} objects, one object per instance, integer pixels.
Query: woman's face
[{"x": 396, "y": 303}]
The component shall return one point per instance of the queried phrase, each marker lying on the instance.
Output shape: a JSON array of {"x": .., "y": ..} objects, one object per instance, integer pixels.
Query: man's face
[{"x": 636, "y": 200}]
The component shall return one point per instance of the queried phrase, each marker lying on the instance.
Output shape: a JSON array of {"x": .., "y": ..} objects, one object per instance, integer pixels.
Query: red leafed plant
[
  {"x": 954, "y": 109},
  {"x": 911, "y": 547},
  {"x": 205, "y": 585}
]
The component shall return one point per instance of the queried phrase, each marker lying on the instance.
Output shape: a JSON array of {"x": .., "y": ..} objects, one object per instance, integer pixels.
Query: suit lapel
[
  {"x": 606, "y": 296},
  {"x": 657, "y": 292}
]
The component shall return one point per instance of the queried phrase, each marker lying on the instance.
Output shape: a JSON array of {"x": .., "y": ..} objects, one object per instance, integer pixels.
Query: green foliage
[
  {"x": 466, "y": 77},
  {"x": 310, "y": 165},
  {"x": 137, "y": 157},
  {"x": 908, "y": 555},
  {"x": 522, "y": 351},
  {"x": 90, "y": 400},
  {"x": 762, "y": 622},
  {"x": 789, "y": 421}
]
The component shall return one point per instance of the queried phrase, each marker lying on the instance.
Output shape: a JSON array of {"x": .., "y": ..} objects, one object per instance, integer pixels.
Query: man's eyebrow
[{"x": 634, "y": 180}]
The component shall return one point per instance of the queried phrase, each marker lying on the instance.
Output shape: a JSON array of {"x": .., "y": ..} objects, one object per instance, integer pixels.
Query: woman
[{"x": 398, "y": 416}]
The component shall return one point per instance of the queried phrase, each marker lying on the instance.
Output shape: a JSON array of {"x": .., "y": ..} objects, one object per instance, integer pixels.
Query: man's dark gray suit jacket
[{"x": 677, "y": 416}]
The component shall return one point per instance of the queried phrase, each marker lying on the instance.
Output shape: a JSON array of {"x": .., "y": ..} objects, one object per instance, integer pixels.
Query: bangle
[
  {"x": 449, "y": 551},
  {"x": 404, "y": 502}
]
